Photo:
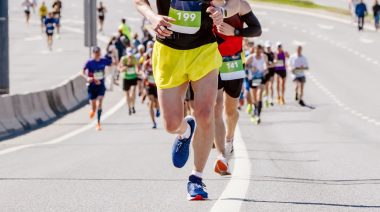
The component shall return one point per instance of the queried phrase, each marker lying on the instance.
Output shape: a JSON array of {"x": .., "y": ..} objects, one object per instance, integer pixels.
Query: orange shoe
[
  {"x": 98, "y": 127},
  {"x": 221, "y": 167},
  {"x": 92, "y": 114},
  {"x": 283, "y": 101},
  {"x": 279, "y": 100}
]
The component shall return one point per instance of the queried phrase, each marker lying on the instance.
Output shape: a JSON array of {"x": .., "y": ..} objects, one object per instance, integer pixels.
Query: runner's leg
[{"x": 220, "y": 130}]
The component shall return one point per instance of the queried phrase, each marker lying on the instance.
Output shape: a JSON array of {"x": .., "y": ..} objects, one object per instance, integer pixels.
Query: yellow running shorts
[{"x": 173, "y": 67}]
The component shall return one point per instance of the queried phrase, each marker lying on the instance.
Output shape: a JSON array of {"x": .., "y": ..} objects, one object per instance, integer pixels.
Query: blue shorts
[{"x": 94, "y": 91}]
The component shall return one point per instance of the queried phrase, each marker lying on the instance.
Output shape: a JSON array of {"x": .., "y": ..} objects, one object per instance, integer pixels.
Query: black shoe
[
  {"x": 297, "y": 97},
  {"x": 133, "y": 110},
  {"x": 302, "y": 103},
  {"x": 130, "y": 112}
]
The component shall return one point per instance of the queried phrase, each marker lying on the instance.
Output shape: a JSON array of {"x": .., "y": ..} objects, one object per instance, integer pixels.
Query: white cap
[
  {"x": 141, "y": 47},
  {"x": 268, "y": 44}
]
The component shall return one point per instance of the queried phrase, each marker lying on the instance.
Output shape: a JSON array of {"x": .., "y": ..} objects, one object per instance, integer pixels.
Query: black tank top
[{"x": 188, "y": 41}]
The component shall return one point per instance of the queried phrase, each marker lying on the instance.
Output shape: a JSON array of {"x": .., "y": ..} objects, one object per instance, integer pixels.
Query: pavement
[
  {"x": 298, "y": 159},
  {"x": 343, "y": 4}
]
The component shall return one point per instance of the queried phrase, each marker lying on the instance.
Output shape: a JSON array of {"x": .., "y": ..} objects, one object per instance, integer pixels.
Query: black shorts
[
  {"x": 189, "y": 94},
  {"x": 50, "y": 34},
  {"x": 231, "y": 87},
  {"x": 281, "y": 73},
  {"x": 270, "y": 74},
  {"x": 27, "y": 12},
  {"x": 101, "y": 18},
  {"x": 127, "y": 84},
  {"x": 300, "y": 79},
  {"x": 152, "y": 90}
]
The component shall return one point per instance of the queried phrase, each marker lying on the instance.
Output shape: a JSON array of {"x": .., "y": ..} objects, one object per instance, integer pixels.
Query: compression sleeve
[{"x": 254, "y": 26}]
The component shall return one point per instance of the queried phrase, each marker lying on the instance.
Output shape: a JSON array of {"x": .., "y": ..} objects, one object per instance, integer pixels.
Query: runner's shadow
[{"x": 302, "y": 203}]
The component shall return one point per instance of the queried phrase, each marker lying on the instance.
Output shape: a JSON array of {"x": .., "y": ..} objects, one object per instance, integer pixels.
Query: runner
[
  {"x": 184, "y": 30},
  {"x": 57, "y": 8},
  {"x": 125, "y": 29},
  {"x": 43, "y": 11},
  {"x": 128, "y": 66},
  {"x": 376, "y": 14},
  {"x": 250, "y": 49},
  {"x": 50, "y": 23},
  {"x": 27, "y": 6},
  {"x": 269, "y": 77},
  {"x": 230, "y": 39},
  {"x": 140, "y": 57},
  {"x": 258, "y": 65},
  {"x": 298, "y": 64},
  {"x": 280, "y": 70},
  {"x": 34, "y": 5},
  {"x": 113, "y": 72},
  {"x": 151, "y": 90},
  {"x": 361, "y": 12},
  {"x": 94, "y": 71},
  {"x": 101, "y": 15}
]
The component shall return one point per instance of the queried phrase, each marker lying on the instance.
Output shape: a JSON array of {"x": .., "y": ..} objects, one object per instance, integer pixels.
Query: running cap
[
  {"x": 278, "y": 44},
  {"x": 268, "y": 44},
  {"x": 96, "y": 49},
  {"x": 150, "y": 43},
  {"x": 141, "y": 47}
]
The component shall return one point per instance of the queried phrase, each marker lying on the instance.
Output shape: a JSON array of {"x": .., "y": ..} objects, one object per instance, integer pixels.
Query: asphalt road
[{"x": 298, "y": 159}]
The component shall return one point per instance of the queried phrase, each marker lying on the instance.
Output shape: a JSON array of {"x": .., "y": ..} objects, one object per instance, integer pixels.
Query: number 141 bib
[{"x": 187, "y": 15}]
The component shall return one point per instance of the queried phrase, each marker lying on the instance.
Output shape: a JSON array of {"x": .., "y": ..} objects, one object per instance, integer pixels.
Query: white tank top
[{"x": 259, "y": 64}]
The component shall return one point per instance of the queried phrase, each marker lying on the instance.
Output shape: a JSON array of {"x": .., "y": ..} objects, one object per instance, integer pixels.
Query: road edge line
[{"x": 235, "y": 192}]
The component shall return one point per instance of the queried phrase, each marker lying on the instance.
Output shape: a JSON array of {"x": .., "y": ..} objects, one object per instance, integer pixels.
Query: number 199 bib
[
  {"x": 187, "y": 14},
  {"x": 232, "y": 68}
]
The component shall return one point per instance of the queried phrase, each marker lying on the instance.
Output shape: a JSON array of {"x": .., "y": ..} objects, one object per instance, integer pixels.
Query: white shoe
[{"x": 229, "y": 150}]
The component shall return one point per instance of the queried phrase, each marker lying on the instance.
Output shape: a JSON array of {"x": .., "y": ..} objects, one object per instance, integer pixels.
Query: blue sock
[{"x": 99, "y": 114}]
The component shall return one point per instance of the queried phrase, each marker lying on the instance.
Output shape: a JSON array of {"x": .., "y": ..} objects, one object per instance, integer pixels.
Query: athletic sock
[
  {"x": 99, "y": 114},
  {"x": 260, "y": 107},
  {"x": 197, "y": 174},
  {"x": 187, "y": 133}
]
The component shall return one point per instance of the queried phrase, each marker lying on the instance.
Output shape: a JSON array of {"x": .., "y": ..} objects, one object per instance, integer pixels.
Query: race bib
[
  {"x": 280, "y": 63},
  {"x": 257, "y": 79},
  {"x": 299, "y": 73},
  {"x": 131, "y": 70},
  {"x": 232, "y": 68},
  {"x": 50, "y": 31},
  {"x": 151, "y": 79},
  {"x": 98, "y": 75},
  {"x": 187, "y": 15}
]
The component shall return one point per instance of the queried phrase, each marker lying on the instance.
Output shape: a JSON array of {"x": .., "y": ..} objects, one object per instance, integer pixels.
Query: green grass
[{"x": 306, "y": 4}]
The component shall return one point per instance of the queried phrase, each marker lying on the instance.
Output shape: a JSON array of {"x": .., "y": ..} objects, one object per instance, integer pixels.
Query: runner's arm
[
  {"x": 121, "y": 66},
  {"x": 254, "y": 26}
]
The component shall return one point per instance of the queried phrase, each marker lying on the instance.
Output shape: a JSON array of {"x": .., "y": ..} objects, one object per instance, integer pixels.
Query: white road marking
[
  {"x": 35, "y": 38},
  {"x": 366, "y": 40},
  {"x": 299, "y": 43},
  {"x": 265, "y": 29},
  {"x": 327, "y": 27},
  {"x": 89, "y": 126},
  {"x": 237, "y": 187}
]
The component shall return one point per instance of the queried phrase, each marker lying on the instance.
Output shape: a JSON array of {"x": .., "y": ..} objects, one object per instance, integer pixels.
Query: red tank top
[{"x": 230, "y": 45}]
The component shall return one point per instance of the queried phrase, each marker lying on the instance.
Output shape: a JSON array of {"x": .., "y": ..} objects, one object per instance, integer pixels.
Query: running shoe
[
  {"x": 133, "y": 110},
  {"x": 282, "y": 101},
  {"x": 154, "y": 125},
  {"x": 181, "y": 147},
  {"x": 229, "y": 150},
  {"x": 92, "y": 114},
  {"x": 130, "y": 112},
  {"x": 98, "y": 127},
  {"x": 302, "y": 103},
  {"x": 196, "y": 189},
  {"x": 221, "y": 167},
  {"x": 158, "y": 113},
  {"x": 249, "y": 108},
  {"x": 267, "y": 103},
  {"x": 279, "y": 100}
]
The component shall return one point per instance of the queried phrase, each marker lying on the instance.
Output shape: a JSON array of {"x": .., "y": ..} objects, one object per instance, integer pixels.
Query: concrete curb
[{"x": 21, "y": 113}]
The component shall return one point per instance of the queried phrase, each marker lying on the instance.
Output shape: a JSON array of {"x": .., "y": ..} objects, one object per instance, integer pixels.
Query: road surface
[{"x": 298, "y": 159}]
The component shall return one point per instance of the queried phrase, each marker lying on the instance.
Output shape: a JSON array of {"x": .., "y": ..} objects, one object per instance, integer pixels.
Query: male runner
[
  {"x": 101, "y": 15},
  {"x": 94, "y": 71},
  {"x": 125, "y": 29},
  {"x": 129, "y": 66},
  {"x": 280, "y": 70},
  {"x": 151, "y": 88},
  {"x": 27, "y": 6},
  {"x": 230, "y": 39},
  {"x": 43, "y": 12},
  {"x": 186, "y": 50},
  {"x": 50, "y": 23},
  {"x": 269, "y": 77},
  {"x": 258, "y": 64},
  {"x": 298, "y": 64}
]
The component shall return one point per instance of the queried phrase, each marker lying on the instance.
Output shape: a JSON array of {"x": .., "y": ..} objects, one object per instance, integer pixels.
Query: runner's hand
[
  {"x": 216, "y": 15},
  {"x": 226, "y": 29},
  {"x": 160, "y": 24}
]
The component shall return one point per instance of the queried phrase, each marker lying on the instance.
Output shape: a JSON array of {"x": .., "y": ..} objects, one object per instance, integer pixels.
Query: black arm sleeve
[{"x": 254, "y": 26}]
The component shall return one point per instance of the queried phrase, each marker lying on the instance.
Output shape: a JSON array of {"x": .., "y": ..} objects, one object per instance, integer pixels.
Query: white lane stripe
[
  {"x": 69, "y": 135},
  {"x": 236, "y": 190}
]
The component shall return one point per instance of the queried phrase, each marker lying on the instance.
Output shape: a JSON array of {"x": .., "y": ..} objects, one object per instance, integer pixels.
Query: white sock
[
  {"x": 195, "y": 173},
  {"x": 187, "y": 132}
]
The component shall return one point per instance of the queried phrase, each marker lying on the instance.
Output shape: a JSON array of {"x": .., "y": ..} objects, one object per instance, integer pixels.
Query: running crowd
[
  {"x": 359, "y": 11},
  {"x": 201, "y": 68}
]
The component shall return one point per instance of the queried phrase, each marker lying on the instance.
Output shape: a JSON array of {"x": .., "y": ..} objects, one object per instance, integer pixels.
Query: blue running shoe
[
  {"x": 181, "y": 147},
  {"x": 196, "y": 189},
  {"x": 158, "y": 113}
]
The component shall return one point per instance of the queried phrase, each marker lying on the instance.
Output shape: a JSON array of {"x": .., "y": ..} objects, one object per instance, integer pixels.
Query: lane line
[
  {"x": 62, "y": 138},
  {"x": 238, "y": 185}
]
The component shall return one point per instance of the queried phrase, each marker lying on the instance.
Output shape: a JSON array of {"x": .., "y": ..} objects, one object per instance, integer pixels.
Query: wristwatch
[{"x": 236, "y": 32}]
